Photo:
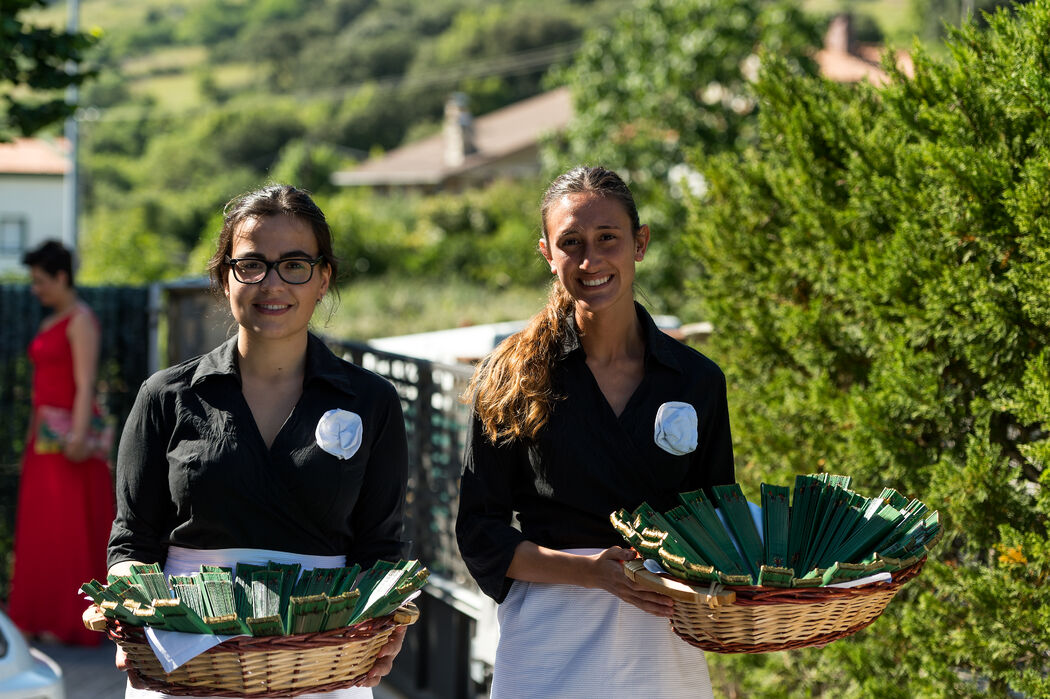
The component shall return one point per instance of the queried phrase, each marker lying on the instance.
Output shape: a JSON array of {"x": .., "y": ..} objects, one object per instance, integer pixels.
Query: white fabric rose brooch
[
  {"x": 339, "y": 433},
  {"x": 676, "y": 428}
]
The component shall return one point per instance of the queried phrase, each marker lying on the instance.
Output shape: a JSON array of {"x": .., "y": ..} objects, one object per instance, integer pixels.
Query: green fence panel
[{"x": 436, "y": 422}]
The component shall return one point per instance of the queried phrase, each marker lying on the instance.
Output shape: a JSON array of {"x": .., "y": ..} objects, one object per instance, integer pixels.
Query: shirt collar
[
  {"x": 657, "y": 344},
  {"x": 321, "y": 364},
  {"x": 221, "y": 361}
]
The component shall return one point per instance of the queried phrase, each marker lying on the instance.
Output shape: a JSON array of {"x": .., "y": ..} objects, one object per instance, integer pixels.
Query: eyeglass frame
[{"x": 272, "y": 266}]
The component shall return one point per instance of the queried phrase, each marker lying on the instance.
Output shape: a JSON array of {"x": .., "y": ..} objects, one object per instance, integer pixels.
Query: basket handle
[
  {"x": 94, "y": 619},
  {"x": 635, "y": 570},
  {"x": 406, "y": 614}
]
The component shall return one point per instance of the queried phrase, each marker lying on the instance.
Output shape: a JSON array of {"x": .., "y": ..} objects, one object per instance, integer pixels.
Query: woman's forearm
[
  {"x": 603, "y": 571},
  {"x": 84, "y": 343},
  {"x": 83, "y": 405},
  {"x": 534, "y": 563}
]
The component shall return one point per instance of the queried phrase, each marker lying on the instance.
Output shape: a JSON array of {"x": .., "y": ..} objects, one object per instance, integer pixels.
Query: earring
[{"x": 554, "y": 269}]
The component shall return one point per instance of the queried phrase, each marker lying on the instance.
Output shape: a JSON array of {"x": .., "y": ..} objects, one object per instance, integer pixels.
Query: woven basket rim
[
  {"x": 290, "y": 649},
  {"x": 755, "y": 594},
  {"x": 403, "y": 616},
  {"x": 746, "y": 595},
  {"x": 720, "y": 622},
  {"x": 140, "y": 681}
]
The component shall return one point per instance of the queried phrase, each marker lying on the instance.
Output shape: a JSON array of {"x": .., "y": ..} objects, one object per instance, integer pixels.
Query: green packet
[{"x": 270, "y": 600}]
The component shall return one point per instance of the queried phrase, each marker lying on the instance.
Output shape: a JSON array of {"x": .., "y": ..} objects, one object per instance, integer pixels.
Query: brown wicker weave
[
  {"x": 266, "y": 666},
  {"x": 765, "y": 619}
]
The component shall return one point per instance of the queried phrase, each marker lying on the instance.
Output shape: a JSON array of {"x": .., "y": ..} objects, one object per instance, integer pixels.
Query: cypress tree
[{"x": 878, "y": 272}]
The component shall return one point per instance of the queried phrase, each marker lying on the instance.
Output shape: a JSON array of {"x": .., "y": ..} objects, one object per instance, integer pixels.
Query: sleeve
[
  {"x": 378, "y": 516},
  {"x": 483, "y": 525},
  {"x": 145, "y": 510},
  {"x": 712, "y": 462}
]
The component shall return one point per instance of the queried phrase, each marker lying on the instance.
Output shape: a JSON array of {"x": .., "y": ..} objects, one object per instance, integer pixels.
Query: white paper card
[
  {"x": 654, "y": 567},
  {"x": 384, "y": 586},
  {"x": 173, "y": 648},
  {"x": 878, "y": 577}
]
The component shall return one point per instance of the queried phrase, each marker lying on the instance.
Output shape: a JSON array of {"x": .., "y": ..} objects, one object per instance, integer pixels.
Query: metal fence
[{"x": 439, "y": 658}]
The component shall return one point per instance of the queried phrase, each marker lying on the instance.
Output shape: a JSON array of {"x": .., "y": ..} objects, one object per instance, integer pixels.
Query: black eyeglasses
[{"x": 293, "y": 270}]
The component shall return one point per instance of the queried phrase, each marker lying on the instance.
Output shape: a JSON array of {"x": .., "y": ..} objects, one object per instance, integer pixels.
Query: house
[
  {"x": 469, "y": 151},
  {"x": 32, "y": 181}
]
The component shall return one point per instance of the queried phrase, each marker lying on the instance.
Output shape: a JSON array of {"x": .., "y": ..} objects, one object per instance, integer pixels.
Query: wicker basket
[
  {"x": 265, "y": 666},
  {"x": 765, "y": 619}
]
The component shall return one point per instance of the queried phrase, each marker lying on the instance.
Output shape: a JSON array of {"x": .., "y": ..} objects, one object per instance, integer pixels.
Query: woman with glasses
[{"x": 222, "y": 460}]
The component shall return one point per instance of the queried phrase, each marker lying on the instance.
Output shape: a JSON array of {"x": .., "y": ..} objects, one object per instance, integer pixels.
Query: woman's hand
[
  {"x": 603, "y": 571},
  {"x": 607, "y": 574},
  {"x": 385, "y": 660},
  {"x": 75, "y": 449}
]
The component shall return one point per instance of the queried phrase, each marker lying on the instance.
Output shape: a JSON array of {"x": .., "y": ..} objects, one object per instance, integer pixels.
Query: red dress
[{"x": 65, "y": 511}]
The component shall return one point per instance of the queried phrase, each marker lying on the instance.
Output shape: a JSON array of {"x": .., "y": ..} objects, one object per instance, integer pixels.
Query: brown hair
[
  {"x": 271, "y": 200},
  {"x": 511, "y": 389},
  {"x": 52, "y": 257}
]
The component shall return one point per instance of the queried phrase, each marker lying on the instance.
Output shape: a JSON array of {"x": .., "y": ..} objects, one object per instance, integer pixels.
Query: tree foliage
[
  {"x": 334, "y": 80},
  {"x": 34, "y": 65},
  {"x": 876, "y": 270}
]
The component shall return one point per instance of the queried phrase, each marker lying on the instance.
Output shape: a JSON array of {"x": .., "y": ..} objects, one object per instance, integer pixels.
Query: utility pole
[{"x": 72, "y": 185}]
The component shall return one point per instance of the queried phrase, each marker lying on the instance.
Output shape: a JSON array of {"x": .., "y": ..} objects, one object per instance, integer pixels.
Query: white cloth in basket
[
  {"x": 570, "y": 641},
  {"x": 183, "y": 561}
]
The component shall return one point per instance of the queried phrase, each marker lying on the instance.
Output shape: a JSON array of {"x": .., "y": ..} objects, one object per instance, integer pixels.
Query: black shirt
[
  {"x": 587, "y": 462},
  {"x": 193, "y": 469}
]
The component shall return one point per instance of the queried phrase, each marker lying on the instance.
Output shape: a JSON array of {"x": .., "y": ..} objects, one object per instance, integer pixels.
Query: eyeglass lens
[{"x": 292, "y": 271}]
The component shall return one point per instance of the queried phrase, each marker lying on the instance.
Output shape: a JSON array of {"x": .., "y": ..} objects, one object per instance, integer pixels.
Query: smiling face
[
  {"x": 274, "y": 309},
  {"x": 592, "y": 247}
]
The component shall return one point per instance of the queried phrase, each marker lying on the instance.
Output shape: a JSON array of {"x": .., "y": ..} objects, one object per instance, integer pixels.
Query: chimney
[
  {"x": 839, "y": 36},
  {"x": 459, "y": 130}
]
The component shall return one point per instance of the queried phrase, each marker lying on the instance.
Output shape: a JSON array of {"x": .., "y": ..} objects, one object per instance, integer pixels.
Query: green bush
[{"x": 876, "y": 270}]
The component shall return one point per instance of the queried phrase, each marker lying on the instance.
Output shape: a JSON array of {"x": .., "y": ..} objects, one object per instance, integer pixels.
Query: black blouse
[
  {"x": 587, "y": 462},
  {"x": 193, "y": 469}
]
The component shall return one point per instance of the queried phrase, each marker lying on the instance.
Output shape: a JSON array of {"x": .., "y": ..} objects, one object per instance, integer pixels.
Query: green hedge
[{"x": 877, "y": 272}]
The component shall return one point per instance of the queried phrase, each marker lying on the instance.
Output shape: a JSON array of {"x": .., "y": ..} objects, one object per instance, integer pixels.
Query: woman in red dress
[{"x": 65, "y": 498}]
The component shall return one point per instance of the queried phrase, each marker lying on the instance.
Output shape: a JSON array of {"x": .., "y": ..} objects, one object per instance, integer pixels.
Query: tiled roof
[
  {"x": 497, "y": 134},
  {"x": 519, "y": 126},
  {"x": 34, "y": 156}
]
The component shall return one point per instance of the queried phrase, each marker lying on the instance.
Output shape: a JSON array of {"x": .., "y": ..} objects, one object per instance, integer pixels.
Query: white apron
[
  {"x": 182, "y": 561},
  {"x": 570, "y": 641}
]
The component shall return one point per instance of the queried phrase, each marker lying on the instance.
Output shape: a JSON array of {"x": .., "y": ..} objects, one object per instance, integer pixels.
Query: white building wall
[{"x": 30, "y": 213}]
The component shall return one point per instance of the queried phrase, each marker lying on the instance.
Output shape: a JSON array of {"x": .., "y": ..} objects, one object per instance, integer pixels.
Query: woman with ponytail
[{"x": 587, "y": 410}]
